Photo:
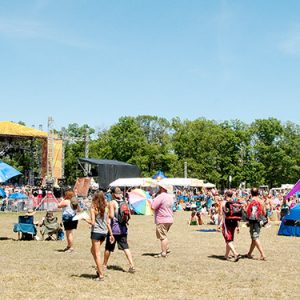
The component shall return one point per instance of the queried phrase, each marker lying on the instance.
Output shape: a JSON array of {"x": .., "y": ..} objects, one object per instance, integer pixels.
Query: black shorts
[
  {"x": 121, "y": 240},
  {"x": 70, "y": 225},
  {"x": 98, "y": 236}
]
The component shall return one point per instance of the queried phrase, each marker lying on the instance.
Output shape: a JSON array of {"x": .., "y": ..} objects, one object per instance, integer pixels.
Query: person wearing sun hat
[{"x": 163, "y": 216}]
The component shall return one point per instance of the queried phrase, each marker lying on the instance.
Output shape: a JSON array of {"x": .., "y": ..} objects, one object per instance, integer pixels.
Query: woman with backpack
[
  {"x": 100, "y": 222},
  {"x": 69, "y": 207},
  {"x": 230, "y": 224}
]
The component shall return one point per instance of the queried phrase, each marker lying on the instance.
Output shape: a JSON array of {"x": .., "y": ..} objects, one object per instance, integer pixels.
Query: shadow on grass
[
  {"x": 150, "y": 254},
  {"x": 4, "y": 238},
  {"x": 115, "y": 268},
  {"x": 221, "y": 257},
  {"x": 87, "y": 276}
]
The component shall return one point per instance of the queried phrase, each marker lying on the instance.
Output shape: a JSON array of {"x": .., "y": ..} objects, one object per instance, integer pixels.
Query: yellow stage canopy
[{"x": 13, "y": 129}]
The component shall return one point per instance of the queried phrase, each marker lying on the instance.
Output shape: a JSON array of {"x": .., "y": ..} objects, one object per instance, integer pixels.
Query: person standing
[
  {"x": 100, "y": 227},
  {"x": 163, "y": 216},
  {"x": 255, "y": 210},
  {"x": 119, "y": 230},
  {"x": 69, "y": 207}
]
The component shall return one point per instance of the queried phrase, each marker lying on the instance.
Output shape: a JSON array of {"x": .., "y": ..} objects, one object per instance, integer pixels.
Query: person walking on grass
[
  {"x": 69, "y": 207},
  {"x": 163, "y": 216},
  {"x": 229, "y": 225},
  {"x": 100, "y": 222},
  {"x": 255, "y": 211},
  {"x": 119, "y": 214}
]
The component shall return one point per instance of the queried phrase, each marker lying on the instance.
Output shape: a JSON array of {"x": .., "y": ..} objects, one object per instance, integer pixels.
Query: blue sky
[{"x": 93, "y": 61}]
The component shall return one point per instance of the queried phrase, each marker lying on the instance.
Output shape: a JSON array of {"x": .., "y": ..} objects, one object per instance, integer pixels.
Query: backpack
[
  {"x": 123, "y": 215},
  {"x": 254, "y": 211},
  {"x": 233, "y": 210}
]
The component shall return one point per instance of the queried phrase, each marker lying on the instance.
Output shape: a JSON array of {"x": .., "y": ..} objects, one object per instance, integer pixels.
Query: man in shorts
[
  {"x": 162, "y": 205},
  {"x": 255, "y": 226},
  {"x": 119, "y": 231}
]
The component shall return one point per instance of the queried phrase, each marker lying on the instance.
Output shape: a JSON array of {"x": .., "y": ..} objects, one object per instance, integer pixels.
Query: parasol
[
  {"x": 140, "y": 202},
  {"x": 7, "y": 172},
  {"x": 18, "y": 196}
]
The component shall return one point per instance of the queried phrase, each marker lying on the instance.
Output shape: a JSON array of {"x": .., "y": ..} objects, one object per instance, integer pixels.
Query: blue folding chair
[{"x": 25, "y": 228}]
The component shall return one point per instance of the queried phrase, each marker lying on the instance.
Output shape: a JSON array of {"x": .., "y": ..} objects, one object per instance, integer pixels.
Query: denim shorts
[{"x": 98, "y": 236}]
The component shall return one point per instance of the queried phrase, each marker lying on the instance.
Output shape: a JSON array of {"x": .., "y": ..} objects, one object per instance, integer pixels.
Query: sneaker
[{"x": 131, "y": 270}]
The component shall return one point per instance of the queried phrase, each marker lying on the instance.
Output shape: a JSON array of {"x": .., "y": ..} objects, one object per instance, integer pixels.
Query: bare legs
[
  {"x": 256, "y": 243},
  {"x": 164, "y": 244},
  {"x": 127, "y": 254},
  {"x": 230, "y": 247},
  {"x": 95, "y": 250},
  {"x": 69, "y": 236}
]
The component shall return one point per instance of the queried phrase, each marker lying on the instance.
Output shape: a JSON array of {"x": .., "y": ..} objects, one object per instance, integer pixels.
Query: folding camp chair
[
  {"x": 25, "y": 228},
  {"x": 50, "y": 227}
]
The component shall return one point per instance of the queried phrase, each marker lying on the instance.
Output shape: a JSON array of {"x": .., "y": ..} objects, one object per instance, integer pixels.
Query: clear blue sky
[{"x": 93, "y": 61}]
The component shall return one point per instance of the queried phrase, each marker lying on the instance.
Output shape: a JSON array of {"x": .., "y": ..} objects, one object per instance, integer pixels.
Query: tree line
[{"x": 265, "y": 152}]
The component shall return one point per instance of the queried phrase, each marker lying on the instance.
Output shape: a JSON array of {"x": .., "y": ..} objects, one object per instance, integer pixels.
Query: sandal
[
  {"x": 160, "y": 255},
  {"x": 236, "y": 258},
  {"x": 98, "y": 278},
  {"x": 263, "y": 258},
  {"x": 249, "y": 256},
  {"x": 131, "y": 270}
]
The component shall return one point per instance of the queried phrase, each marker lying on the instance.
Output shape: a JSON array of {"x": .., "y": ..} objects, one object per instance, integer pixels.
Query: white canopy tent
[
  {"x": 194, "y": 182},
  {"x": 131, "y": 182},
  {"x": 209, "y": 185},
  {"x": 143, "y": 182}
]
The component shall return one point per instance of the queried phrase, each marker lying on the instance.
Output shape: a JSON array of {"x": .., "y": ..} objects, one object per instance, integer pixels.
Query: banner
[{"x": 295, "y": 189}]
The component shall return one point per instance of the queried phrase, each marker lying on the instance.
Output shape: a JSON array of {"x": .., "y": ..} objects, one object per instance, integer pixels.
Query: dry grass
[{"x": 194, "y": 270}]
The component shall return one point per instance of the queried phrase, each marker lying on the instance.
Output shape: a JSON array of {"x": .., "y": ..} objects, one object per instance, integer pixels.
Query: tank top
[
  {"x": 100, "y": 224},
  {"x": 68, "y": 212}
]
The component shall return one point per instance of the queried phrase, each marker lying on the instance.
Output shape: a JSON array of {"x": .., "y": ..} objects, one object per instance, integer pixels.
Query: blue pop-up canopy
[
  {"x": 290, "y": 224},
  {"x": 159, "y": 175},
  {"x": 7, "y": 172}
]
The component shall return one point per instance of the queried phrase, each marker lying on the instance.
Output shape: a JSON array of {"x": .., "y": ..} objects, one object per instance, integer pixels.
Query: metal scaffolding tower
[{"x": 50, "y": 149}]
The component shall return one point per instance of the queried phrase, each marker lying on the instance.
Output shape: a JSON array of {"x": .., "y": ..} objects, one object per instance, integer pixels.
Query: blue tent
[
  {"x": 159, "y": 175},
  {"x": 290, "y": 224}
]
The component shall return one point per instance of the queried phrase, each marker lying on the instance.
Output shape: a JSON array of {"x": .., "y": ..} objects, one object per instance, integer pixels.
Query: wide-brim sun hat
[{"x": 167, "y": 187}]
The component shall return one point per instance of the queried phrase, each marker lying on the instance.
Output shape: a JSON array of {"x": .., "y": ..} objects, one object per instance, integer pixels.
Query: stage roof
[{"x": 13, "y": 129}]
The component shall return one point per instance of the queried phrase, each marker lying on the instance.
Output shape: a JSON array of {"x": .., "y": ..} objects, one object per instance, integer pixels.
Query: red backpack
[
  {"x": 254, "y": 211},
  {"x": 123, "y": 215}
]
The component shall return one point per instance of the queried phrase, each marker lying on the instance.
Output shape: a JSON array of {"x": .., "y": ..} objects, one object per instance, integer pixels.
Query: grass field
[{"x": 194, "y": 270}]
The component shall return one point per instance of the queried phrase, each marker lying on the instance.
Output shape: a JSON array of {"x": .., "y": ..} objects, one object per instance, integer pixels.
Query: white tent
[
  {"x": 183, "y": 182},
  {"x": 131, "y": 182},
  {"x": 134, "y": 182},
  {"x": 209, "y": 185}
]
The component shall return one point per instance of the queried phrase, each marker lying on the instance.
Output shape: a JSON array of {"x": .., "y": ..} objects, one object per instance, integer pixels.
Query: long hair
[{"x": 99, "y": 203}]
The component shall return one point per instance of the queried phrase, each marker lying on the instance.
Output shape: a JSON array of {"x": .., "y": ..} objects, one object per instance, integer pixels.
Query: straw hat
[{"x": 167, "y": 187}]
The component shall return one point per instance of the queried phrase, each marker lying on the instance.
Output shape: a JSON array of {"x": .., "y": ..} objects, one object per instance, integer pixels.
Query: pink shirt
[{"x": 162, "y": 205}]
